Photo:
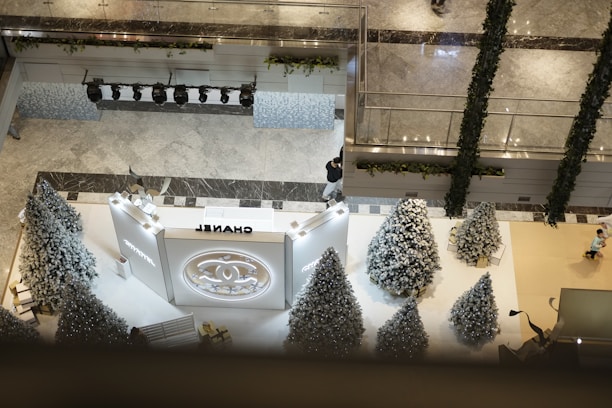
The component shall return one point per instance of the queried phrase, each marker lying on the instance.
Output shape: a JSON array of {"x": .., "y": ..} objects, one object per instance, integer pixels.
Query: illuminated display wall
[
  {"x": 200, "y": 267},
  {"x": 141, "y": 242},
  {"x": 305, "y": 244},
  {"x": 219, "y": 269}
]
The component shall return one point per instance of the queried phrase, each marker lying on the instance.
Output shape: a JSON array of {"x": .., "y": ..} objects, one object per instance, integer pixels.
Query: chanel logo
[{"x": 226, "y": 275}]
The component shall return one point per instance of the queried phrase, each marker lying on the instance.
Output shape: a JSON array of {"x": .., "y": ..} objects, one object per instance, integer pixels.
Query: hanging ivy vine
[
  {"x": 72, "y": 45},
  {"x": 306, "y": 64},
  {"x": 475, "y": 112},
  {"x": 582, "y": 131}
]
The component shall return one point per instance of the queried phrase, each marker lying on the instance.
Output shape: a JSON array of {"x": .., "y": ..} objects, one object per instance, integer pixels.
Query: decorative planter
[{"x": 111, "y": 53}]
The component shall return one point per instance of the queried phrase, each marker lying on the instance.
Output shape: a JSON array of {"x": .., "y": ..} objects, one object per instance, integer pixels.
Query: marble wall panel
[
  {"x": 45, "y": 100},
  {"x": 542, "y": 133},
  {"x": 292, "y": 191},
  {"x": 418, "y": 128},
  {"x": 373, "y": 126},
  {"x": 420, "y": 68},
  {"x": 495, "y": 131},
  {"x": 602, "y": 142}
]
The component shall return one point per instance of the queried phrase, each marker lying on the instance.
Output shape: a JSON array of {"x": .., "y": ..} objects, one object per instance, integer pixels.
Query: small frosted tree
[
  {"x": 403, "y": 336},
  {"x": 13, "y": 330},
  {"x": 474, "y": 314},
  {"x": 403, "y": 255},
  {"x": 479, "y": 234},
  {"x": 51, "y": 255},
  {"x": 59, "y": 207},
  {"x": 85, "y": 321},
  {"x": 326, "y": 319}
]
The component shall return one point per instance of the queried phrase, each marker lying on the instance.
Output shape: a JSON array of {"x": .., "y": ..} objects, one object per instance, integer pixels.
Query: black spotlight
[
  {"x": 94, "y": 93},
  {"x": 203, "y": 94},
  {"x": 137, "y": 92},
  {"x": 246, "y": 96},
  {"x": 224, "y": 95},
  {"x": 181, "y": 96},
  {"x": 159, "y": 94},
  {"x": 116, "y": 91}
]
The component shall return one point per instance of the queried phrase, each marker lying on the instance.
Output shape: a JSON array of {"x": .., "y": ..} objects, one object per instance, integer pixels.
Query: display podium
[{"x": 229, "y": 257}]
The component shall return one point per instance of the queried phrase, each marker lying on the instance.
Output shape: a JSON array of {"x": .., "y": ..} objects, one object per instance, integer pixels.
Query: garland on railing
[
  {"x": 475, "y": 112},
  {"x": 72, "y": 45},
  {"x": 306, "y": 64},
  {"x": 425, "y": 169},
  {"x": 582, "y": 131}
]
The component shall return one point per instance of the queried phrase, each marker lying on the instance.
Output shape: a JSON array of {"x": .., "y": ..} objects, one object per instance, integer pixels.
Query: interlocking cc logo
[{"x": 227, "y": 275}]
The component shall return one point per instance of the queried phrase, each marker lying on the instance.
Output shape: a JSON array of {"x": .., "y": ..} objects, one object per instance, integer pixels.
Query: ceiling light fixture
[
  {"x": 181, "y": 95},
  {"x": 94, "y": 93},
  {"x": 137, "y": 92},
  {"x": 159, "y": 94},
  {"x": 203, "y": 94},
  {"x": 116, "y": 91},
  {"x": 246, "y": 96},
  {"x": 224, "y": 95}
]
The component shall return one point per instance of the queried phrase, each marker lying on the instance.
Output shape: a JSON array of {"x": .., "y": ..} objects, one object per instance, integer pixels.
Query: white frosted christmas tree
[
  {"x": 326, "y": 319},
  {"x": 59, "y": 207},
  {"x": 85, "y": 320},
  {"x": 474, "y": 314},
  {"x": 403, "y": 255},
  {"x": 403, "y": 337},
  {"x": 15, "y": 331},
  {"x": 479, "y": 234},
  {"x": 50, "y": 255}
]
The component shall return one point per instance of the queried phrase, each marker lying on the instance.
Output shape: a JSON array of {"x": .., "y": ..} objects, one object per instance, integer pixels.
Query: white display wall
[{"x": 217, "y": 257}]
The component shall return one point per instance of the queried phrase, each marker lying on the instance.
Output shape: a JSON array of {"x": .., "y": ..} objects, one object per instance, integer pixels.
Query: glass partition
[{"x": 512, "y": 124}]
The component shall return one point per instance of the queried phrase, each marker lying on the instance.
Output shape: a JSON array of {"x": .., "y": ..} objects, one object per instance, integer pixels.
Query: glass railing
[
  {"x": 512, "y": 124},
  {"x": 261, "y": 13}
]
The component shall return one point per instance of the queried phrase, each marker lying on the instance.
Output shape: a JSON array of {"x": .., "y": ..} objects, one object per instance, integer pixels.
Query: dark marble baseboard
[
  {"x": 186, "y": 187},
  {"x": 251, "y": 193},
  {"x": 473, "y": 39},
  {"x": 69, "y": 27},
  {"x": 171, "y": 107}
]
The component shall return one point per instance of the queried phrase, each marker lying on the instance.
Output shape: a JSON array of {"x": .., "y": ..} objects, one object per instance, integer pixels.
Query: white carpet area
[{"x": 264, "y": 331}]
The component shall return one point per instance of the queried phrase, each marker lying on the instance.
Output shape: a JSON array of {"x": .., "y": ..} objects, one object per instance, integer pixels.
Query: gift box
[
  {"x": 25, "y": 297},
  {"x": 20, "y": 287},
  {"x": 482, "y": 262},
  {"x": 13, "y": 287},
  {"x": 22, "y": 309},
  {"x": 28, "y": 317}
]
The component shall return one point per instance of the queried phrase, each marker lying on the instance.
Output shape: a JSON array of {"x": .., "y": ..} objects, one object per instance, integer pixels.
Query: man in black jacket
[{"x": 334, "y": 178}]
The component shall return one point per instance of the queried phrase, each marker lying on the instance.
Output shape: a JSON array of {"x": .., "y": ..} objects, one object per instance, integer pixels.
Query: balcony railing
[{"x": 512, "y": 124}]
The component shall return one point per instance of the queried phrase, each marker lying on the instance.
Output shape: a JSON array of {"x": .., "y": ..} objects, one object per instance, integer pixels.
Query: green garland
[
  {"x": 306, "y": 64},
  {"x": 475, "y": 112},
  {"x": 72, "y": 45},
  {"x": 425, "y": 169},
  {"x": 582, "y": 132}
]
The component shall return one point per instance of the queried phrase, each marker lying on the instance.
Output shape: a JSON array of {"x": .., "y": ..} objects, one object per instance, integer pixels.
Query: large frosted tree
[
  {"x": 403, "y": 255},
  {"x": 326, "y": 319},
  {"x": 59, "y": 207},
  {"x": 15, "y": 331},
  {"x": 479, "y": 234},
  {"x": 474, "y": 314},
  {"x": 50, "y": 255},
  {"x": 403, "y": 336},
  {"x": 85, "y": 320}
]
